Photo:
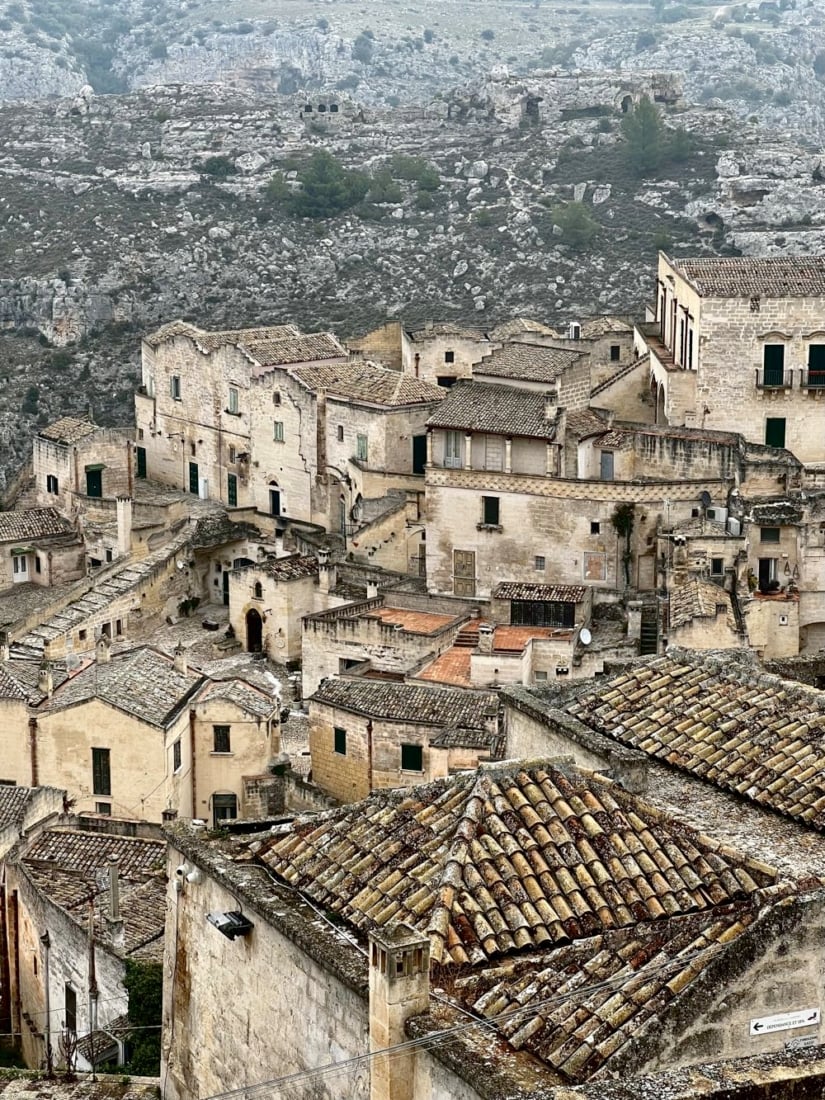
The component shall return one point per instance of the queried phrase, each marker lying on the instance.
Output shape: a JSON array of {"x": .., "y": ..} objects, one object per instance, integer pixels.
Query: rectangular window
[
  {"x": 540, "y": 677},
  {"x": 594, "y": 567},
  {"x": 538, "y": 562},
  {"x": 232, "y": 490},
  {"x": 769, "y": 534},
  {"x": 174, "y": 387},
  {"x": 103, "y": 808},
  {"x": 490, "y": 511},
  {"x": 595, "y": 527},
  {"x": 774, "y": 363},
  {"x": 412, "y": 758},
  {"x": 233, "y": 400},
  {"x": 775, "y": 431},
  {"x": 276, "y": 397},
  {"x": 816, "y": 366},
  {"x": 21, "y": 566},
  {"x": 38, "y": 568},
  {"x": 717, "y": 567},
  {"x": 446, "y": 381},
  {"x": 221, "y": 742},
  {"x": 278, "y": 431},
  {"x": 449, "y": 356},
  {"x": 339, "y": 740},
  {"x": 606, "y": 466},
  {"x": 176, "y": 756},
  {"x": 109, "y": 554},
  {"x": 119, "y": 628},
  {"x": 233, "y": 454},
  {"x": 224, "y": 808},
  {"x": 101, "y": 772},
  {"x": 615, "y": 353},
  {"x": 51, "y": 483},
  {"x": 452, "y": 450},
  {"x": 340, "y": 433},
  {"x": 70, "y": 1009},
  {"x": 361, "y": 447}
]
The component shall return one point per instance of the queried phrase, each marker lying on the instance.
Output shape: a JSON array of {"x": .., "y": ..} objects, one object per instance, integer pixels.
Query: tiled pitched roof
[
  {"x": 518, "y": 326},
  {"x": 292, "y": 568},
  {"x": 584, "y": 422},
  {"x": 368, "y": 382},
  {"x": 75, "y": 851},
  {"x": 499, "y": 410},
  {"x": 244, "y": 695},
  {"x": 747, "y": 276},
  {"x": 532, "y": 362},
  {"x": 208, "y": 341},
  {"x": 11, "y": 688},
  {"x": 13, "y": 802},
  {"x": 447, "y": 328},
  {"x": 603, "y": 326},
  {"x": 142, "y": 682},
  {"x": 722, "y": 720},
  {"x": 696, "y": 599},
  {"x": 33, "y": 523},
  {"x": 517, "y": 590},
  {"x": 67, "y": 430},
  {"x": 409, "y": 702},
  {"x": 301, "y": 348},
  {"x": 509, "y": 858}
]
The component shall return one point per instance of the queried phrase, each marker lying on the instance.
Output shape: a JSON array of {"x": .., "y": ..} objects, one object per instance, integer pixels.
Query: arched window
[{"x": 258, "y": 590}]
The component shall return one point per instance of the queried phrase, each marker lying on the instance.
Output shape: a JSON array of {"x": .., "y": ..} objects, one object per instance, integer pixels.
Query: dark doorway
[
  {"x": 767, "y": 575},
  {"x": 774, "y": 360},
  {"x": 274, "y": 502},
  {"x": 775, "y": 431},
  {"x": 254, "y": 631},
  {"x": 141, "y": 461},
  {"x": 419, "y": 455},
  {"x": 226, "y": 588},
  {"x": 94, "y": 483},
  {"x": 193, "y": 478},
  {"x": 232, "y": 490}
]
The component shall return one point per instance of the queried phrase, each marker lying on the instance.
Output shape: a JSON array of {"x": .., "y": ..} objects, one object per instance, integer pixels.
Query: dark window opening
[
  {"x": 101, "y": 772},
  {"x": 70, "y": 1007},
  {"x": 717, "y": 567},
  {"x": 258, "y": 590},
  {"x": 769, "y": 534},
  {"x": 176, "y": 756},
  {"x": 224, "y": 808},
  {"x": 595, "y": 527},
  {"x": 339, "y": 741},
  {"x": 775, "y": 431},
  {"x": 103, "y": 808},
  {"x": 542, "y": 613},
  {"x": 446, "y": 381},
  {"x": 109, "y": 554},
  {"x": 449, "y": 356},
  {"x": 490, "y": 511},
  {"x": 51, "y": 483},
  {"x": 615, "y": 353},
  {"x": 38, "y": 568},
  {"x": 220, "y": 739},
  {"x": 412, "y": 758},
  {"x": 340, "y": 433},
  {"x": 774, "y": 363},
  {"x": 232, "y": 490},
  {"x": 94, "y": 483},
  {"x": 539, "y": 562},
  {"x": 816, "y": 366}
]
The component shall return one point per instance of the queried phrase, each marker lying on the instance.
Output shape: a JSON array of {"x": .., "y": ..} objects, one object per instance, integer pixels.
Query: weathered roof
[
  {"x": 696, "y": 598},
  {"x": 301, "y": 348},
  {"x": 584, "y": 422},
  {"x": 499, "y": 410},
  {"x": 13, "y": 803},
  {"x": 369, "y": 383},
  {"x": 242, "y": 694},
  {"x": 10, "y": 687},
  {"x": 409, "y": 702},
  {"x": 208, "y": 341},
  {"x": 292, "y": 568},
  {"x": 749, "y": 276},
  {"x": 724, "y": 721},
  {"x": 531, "y": 362},
  {"x": 447, "y": 328},
  {"x": 512, "y": 857},
  {"x": 69, "y": 429},
  {"x": 33, "y": 523},
  {"x": 517, "y": 326},
  {"x": 518, "y": 590},
  {"x": 604, "y": 326},
  {"x": 74, "y": 850},
  {"x": 142, "y": 682}
]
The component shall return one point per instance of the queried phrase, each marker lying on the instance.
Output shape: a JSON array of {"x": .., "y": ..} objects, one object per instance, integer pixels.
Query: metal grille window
[
  {"x": 542, "y": 613},
  {"x": 221, "y": 740}
]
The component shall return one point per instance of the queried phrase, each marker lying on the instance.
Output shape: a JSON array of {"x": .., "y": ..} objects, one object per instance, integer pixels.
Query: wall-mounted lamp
[{"x": 231, "y": 924}]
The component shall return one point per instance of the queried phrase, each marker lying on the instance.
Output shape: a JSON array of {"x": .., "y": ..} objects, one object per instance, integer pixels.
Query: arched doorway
[
  {"x": 254, "y": 631},
  {"x": 660, "y": 406}
]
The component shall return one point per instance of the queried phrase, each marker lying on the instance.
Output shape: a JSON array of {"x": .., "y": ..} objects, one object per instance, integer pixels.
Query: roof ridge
[{"x": 620, "y": 373}]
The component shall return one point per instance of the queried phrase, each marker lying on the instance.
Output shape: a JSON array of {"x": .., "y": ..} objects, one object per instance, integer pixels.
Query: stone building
[
  {"x": 367, "y": 734},
  {"x": 76, "y": 463},
  {"x": 267, "y": 601},
  {"x": 737, "y": 344},
  {"x": 39, "y": 546}
]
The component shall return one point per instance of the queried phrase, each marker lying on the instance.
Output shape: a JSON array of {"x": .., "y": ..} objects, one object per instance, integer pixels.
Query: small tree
[
  {"x": 144, "y": 985},
  {"x": 362, "y": 49},
  {"x": 327, "y": 188},
  {"x": 642, "y": 129},
  {"x": 622, "y": 520},
  {"x": 577, "y": 224}
]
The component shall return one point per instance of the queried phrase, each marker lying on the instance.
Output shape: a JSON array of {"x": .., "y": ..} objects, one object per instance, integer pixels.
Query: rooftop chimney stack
[
  {"x": 114, "y": 921},
  {"x": 486, "y": 634},
  {"x": 103, "y": 650},
  {"x": 180, "y": 658},
  {"x": 124, "y": 525},
  {"x": 45, "y": 680},
  {"x": 399, "y": 989},
  {"x": 326, "y": 572}
]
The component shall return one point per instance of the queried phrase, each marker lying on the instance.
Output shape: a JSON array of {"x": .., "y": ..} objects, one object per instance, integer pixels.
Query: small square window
[
  {"x": 221, "y": 742},
  {"x": 717, "y": 567},
  {"x": 538, "y": 562},
  {"x": 615, "y": 353},
  {"x": 176, "y": 756},
  {"x": 361, "y": 448},
  {"x": 339, "y": 741},
  {"x": 103, "y": 808},
  {"x": 769, "y": 534},
  {"x": 595, "y": 527},
  {"x": 490, "y": 511},
  {"x": 541, "y": 677},
  {"x": 278, "y": 431},
  {"x": 449, "y": 356},
  {"x": 412, "y": 758}
]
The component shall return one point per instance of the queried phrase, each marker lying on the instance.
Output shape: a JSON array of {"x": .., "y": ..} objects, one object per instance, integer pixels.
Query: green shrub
[
  {"x": 488, "y": 35},
  {"x": 327, "y": 188},
  {"x": 577, "y": 224},
  {"x": 362, "y": 49},
  {"x": 219, "y": 166}
]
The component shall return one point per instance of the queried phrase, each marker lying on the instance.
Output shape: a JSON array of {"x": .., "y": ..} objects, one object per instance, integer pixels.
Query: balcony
[
  {"x": 771, "y": 379},
  {"x": 813, "y": 380}
]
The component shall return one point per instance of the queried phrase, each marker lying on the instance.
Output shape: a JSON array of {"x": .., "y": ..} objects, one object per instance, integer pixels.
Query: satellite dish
[
  {"x": 585, "y": 637},
  {"x": 705, "y": 498}
]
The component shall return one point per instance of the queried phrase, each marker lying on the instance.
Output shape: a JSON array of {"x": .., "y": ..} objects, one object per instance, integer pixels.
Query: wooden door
[{"x": 464, "y": 573}]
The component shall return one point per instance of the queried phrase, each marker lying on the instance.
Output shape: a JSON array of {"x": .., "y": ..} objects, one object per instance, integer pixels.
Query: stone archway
[
  {"x": 254, "y": 631},
  {"x": 660, "y": 405}
]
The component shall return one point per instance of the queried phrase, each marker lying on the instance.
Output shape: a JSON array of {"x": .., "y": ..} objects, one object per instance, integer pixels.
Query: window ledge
[
  {"x": 411, "y": 771},
  {"x": 489, "y": 527},
  {"x": 230, "y": 412},
  {"x": 215, "y": 753}
]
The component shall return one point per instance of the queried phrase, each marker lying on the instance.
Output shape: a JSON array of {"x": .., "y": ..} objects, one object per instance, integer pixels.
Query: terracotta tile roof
[
  {"x": 520, "y": 325},
  {"x": 532, "y": 362},
  {"x": 509, "y": 858},
  {"x": 13, "y": 803},
  {"x": 450, "y": 667},
  {"x": 369, "y": 383},
  {"x": 142, "y": 682},
  {"x": 748, "y": 276},
  {"x": 11, "y": 688},
  {"x": 293, "y": 568},
  {"x": 414, "y": 622},
  {"x": 77, "y": 852},
  {"x": 584, "y": 422},
  {"x": 499, "y": 410},
  {"x": 68, "y": 430},
  {"x": 604, "y": 326},
  {"x": 409, "y": 702},
  {"x": 724, "y": 721},
  {"x": 33, "y": 523},
  {"x": 699, "y": 599},
  {"x": 578, "y": 1007},
  {"x": 518, "y": 590}
]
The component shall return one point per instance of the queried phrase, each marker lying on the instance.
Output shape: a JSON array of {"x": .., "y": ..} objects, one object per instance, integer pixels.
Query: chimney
[
  {"x": 45, "y": 680},
  {"x": 124, "y": 525},
  {"x": 399, "y": 989},
  {"x": 372, "y": 590},
  {"x": 102, "y": 650},
  {"x": 180, "y": 658},
  {"x": 486, "y": 634},
  {"x": 4, "y": 646},
  {"x": 551, "y": 405},
  {"x": 114, "y": 921},
  {"x": 326, "y": 572}
]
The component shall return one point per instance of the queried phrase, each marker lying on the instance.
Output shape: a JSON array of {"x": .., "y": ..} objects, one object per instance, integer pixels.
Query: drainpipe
[
  {"x": 417, "y": 361},
  {"x": 369, "y": 753},
  {"x": 45, "y": 939},
  {"x": 17, "y": 1023},
  {"x": 33, "y": 750},
  {"x": 192, "y": 761}
]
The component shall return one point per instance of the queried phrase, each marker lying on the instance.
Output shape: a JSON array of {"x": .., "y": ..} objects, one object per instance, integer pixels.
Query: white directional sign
[{"x": 785, "y": 1021}]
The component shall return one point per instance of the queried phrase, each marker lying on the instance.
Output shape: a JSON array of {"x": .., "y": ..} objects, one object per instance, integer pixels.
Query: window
[
  {"x": 51, "y": 483},
  {"x": 541, "y": 677},
  {"x": 412, "y": 758},
  {"x": 615, "y": 353},
  {"x": 490, "y": 511},
  {"x": 769, "y": 534},
  {"x": 452, "y": 450},
  {"x": 816, "y": 366},
  {"x": 606, "y": 466},
  {"x": 232, "y": 490},
  {"x": 140, "y": 433},
  {"x": 774, "y": 363},
  {"x": 278, "y": 431},
  {"x": 94, "y": 481},
  {"x": 20, "y": 566},
  {"x": 276, "y": 397},
  {"x": 119, "y": 628},
  {"x": 775, "y": 431},
  {"x": 103, "y": 808},
  {"x": 174, "y": 387},
  {"x": 70, "y": 1007},
  {"x": 176, "y": 756},
  {"x": 38, "y": 568},
  {"x": 224, "y": 808},
  {"x": 258, "y": 590},
  {"x": 595, "y": 527},
  {"x": 538, "y": 562},
  {"x": 446, "y": 381},
  {"x": 542, "y": 613},
  {"x": 81, "y": 634},
  {"x": 193, "y": 448},
  {"x": 449, "y": 356},
  {"x": 109, "y": 554},
  {"x": 233, "y": 400},
  {"x": 220, "y": 739},
  {"x": 361, "y": 447},
  {"x": 233, "y": 454},
  {"x": 339, "y": 741},
  {"x": 717, "y": 567},
  {"x": 101, "y": 772},
  {"x": 340, "y": 433}
]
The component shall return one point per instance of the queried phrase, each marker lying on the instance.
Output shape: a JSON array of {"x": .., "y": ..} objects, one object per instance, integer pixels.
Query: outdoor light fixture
[{"x": 231, "y": 924}]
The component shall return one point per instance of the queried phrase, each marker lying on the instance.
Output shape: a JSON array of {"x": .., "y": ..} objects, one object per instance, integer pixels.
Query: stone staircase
[
  {"x": 649, "y": 636},
  {"x": 467, "y": 637}
]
